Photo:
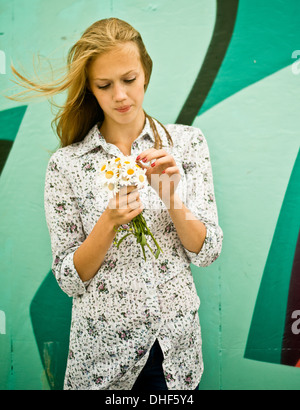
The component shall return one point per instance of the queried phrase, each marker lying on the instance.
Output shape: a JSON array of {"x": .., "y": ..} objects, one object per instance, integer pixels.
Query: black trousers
[{"x": 152, "y": 376}]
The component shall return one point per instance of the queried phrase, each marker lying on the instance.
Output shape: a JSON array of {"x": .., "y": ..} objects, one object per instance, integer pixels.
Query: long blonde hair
[{"x": 81, "y": 110}]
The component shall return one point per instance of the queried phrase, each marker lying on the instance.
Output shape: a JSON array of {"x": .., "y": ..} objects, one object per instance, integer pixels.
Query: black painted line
[{"x": 224, "y": 25}]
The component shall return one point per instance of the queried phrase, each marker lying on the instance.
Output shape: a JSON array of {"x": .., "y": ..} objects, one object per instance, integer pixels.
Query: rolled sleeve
[
  {"x": 66, "y": 275},
  {"x": 200, "y": 199},
  {"x": 65, "y": 227},
  {"x": 211, "y": 247}
]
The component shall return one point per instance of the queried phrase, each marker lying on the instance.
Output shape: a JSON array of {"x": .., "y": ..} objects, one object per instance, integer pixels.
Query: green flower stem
[{"x": 138, "y": 228}]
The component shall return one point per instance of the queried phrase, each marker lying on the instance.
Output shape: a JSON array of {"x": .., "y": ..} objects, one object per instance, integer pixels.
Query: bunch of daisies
[{"x": 119, "y": 172}]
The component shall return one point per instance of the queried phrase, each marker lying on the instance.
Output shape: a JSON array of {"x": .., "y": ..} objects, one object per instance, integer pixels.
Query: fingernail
[
  {"x": 153, "y": 165},
  {"x": 163, "y": 172},
  {"x": 137, "y": 158},
  {"x": 144, "y": 160}
]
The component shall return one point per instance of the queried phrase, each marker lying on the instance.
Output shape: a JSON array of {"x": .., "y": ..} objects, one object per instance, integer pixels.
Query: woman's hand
[
  {"x": 124, "y": 206},
  {"x": 163, "y": 174}
]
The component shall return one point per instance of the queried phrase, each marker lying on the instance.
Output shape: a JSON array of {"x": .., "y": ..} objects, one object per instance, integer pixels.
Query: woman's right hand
[
  {"x": 124, "y": 206},
  {"x": 121, "y": 209}
]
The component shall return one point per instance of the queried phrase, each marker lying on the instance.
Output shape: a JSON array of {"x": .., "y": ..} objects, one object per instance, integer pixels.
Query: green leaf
[
  {"x": 150, "y": 248},
  {"x": 143, "y": 241},
  {"x": 122, "y": 239},
  {"x": 144, "y": 252}
]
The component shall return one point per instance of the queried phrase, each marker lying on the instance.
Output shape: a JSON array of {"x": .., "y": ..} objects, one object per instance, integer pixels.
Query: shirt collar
[{"x": 95, "y": 139}]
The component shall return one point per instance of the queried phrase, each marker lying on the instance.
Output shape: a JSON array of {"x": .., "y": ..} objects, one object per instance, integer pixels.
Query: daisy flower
[{"x": 130, "y": 171}]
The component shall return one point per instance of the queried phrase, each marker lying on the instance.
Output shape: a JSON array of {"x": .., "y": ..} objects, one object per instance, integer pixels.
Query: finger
[
  {"x": 126, "y": 190},
  {"x": 127, "y": 200},
  {"x": 133, "y": 196},
  {"x": 163, "y": 162},
  {"x": 135, "y": 212},
  {"x": 171, "y": 171},
  {"x": 151, "y": 154},
  {"x": 143, "y": 155},
  {"x": 135, "y": 204}
]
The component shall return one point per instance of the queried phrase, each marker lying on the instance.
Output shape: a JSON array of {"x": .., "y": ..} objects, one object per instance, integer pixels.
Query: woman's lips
[{"x": 124, "y": 109}]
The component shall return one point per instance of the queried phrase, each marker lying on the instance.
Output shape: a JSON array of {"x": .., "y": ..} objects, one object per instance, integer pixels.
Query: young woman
[{"x": 135, "y": 323}]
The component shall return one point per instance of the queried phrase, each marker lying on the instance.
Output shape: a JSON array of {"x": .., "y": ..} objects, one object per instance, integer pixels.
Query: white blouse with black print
[{"x": 130, "y": 302}]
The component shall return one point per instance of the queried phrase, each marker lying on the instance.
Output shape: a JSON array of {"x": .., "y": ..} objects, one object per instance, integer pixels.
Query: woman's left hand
[{"x": 163, "y": 174}]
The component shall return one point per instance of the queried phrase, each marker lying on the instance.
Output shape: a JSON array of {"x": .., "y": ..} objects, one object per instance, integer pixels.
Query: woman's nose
[{"x": 119, "y": 93}]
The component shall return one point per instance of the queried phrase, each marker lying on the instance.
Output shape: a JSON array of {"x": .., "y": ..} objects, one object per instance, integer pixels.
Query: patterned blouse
[{"x": 130, "y": 302}]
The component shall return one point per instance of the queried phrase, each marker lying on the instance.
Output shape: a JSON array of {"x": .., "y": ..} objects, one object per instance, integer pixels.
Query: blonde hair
[{"x": 81, "y": 110}]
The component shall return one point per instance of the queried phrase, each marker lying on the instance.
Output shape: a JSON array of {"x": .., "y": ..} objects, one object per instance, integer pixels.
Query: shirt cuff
[
  {"x": 67, "y": 277},
  {"x": 211, "y": 247}
]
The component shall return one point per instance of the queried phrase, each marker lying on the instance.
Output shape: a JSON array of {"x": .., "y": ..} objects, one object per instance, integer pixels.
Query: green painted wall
[{"x": 250, "y": 119}]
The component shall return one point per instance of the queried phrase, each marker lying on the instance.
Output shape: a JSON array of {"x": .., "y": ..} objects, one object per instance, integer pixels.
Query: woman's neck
[{"x": 123, "y": 134}]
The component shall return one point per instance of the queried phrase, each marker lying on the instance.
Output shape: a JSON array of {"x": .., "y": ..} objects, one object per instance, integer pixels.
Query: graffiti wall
[{"x": 229, "y": 67}]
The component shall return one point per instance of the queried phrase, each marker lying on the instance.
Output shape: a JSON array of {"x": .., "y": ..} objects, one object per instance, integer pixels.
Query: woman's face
[{"x": 117, "y": 80}]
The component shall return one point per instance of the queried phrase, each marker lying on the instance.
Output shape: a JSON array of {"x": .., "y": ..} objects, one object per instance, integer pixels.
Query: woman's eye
[
  {"x": 127, "y": 81},
  {"x": 103, "y": 87},
  {"x": 131, "y": 80}
]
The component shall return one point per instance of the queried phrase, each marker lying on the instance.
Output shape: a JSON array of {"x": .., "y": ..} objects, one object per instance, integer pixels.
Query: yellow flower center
[
  {"x": 130, "y": 171},
  {"x": 141, "y": 178},
  {"x": 103, "y": 167},
  {"x": 109, "y": 174}
]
